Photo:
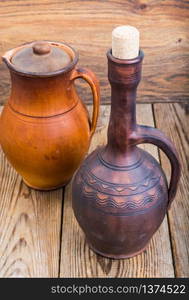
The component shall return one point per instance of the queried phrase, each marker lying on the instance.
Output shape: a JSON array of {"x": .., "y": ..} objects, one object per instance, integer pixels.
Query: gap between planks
[
  {"x": 77, "y": 260},
  {"x": 30, "y": 227},
  {"x": 30, "y": 223},
  {"x": 175, "y": 125}
]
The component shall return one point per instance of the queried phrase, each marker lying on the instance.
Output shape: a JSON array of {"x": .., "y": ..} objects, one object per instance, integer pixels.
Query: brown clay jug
[
  {"x": 45, "y": 128},
  {"x": 120, "y": 193}
]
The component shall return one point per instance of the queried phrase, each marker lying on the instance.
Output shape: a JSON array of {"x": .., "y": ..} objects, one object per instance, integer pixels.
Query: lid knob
[{"x": 41, "y": 48}]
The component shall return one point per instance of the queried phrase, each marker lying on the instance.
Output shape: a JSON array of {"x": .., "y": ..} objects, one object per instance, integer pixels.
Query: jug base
[
  {"x": 44, "y": 189},
  {"x": 121, "y": 256}
]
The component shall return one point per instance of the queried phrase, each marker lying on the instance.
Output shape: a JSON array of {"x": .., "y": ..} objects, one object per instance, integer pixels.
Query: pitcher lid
[{"x": 41, "y": 57}]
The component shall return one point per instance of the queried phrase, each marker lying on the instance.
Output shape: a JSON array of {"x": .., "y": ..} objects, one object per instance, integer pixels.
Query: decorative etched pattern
[
  {"x": 122, "y": 205},
  {"x": 107, "y": 201},
  {"x": 121, "y": 199},
  {"x": 119, "y": 168},
  {"x": 118, "y": 189}
]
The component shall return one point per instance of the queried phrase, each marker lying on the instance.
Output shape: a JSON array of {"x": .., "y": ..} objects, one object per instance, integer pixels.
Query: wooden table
[{"x": 39, "y": 236}]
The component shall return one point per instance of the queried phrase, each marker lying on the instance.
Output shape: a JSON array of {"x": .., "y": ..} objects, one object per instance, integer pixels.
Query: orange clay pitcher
[{"x": 45, "y": 128}]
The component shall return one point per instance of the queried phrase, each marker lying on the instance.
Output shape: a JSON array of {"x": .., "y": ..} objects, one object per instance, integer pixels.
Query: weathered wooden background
[
  {"x": 39, "y": 236},
  {"x": 87, "y": 26}
]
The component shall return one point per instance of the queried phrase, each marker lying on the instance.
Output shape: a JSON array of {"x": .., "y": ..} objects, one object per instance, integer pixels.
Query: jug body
[
  {"x": 120, "y": 193},
  {"x": 120, "y": 208},
  {"x": 45, "y": 127}
]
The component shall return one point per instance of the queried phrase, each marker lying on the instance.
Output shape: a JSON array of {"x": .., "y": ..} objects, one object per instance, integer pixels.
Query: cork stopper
[{"x": 125, "y": 42}]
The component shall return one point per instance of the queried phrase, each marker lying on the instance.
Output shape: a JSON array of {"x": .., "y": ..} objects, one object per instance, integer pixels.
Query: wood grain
[
  {"x": 173, "y": 119},
  {"x": 77, "y": 260},
  {"x": 29, "y": 227},
  {"x": 87, "y": 26}
]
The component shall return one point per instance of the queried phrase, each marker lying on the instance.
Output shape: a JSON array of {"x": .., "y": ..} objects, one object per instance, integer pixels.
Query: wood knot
[
  {"x": 143, "y": 5},
  {"x": 179, "y": 40}
]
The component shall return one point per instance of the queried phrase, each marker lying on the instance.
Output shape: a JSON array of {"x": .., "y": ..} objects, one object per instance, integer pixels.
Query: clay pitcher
[
  {"x": 45, "y": 128},
  {"x": 120, "y": 193}
]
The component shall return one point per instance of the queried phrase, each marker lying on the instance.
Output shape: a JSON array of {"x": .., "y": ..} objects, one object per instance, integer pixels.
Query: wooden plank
[
  {"x": 87, "y": 26},
  {"x": 77, "y": 260},
  {"x": 30, "y": 224},
  {"x": 173, "y": 119}
]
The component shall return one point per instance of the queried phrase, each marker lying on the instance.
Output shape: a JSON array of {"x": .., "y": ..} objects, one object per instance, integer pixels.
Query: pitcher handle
[
  {"x": 147, "y": 134},
  {"x": 91, "y": 79}
]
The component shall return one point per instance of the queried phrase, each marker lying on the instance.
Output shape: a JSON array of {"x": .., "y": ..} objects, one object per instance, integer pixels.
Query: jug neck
[
  {"x": 124, "y": 77},
  {"x": 42, "y": 96}
]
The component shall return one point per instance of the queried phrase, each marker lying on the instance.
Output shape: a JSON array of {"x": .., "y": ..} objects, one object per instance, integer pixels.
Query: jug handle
[
  {"x": 147, "y": 134},
  {"x": 91, "y": 79}
]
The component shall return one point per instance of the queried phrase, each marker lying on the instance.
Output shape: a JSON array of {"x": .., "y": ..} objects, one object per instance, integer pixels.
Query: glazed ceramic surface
[{"x": 45, "y": 128}]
